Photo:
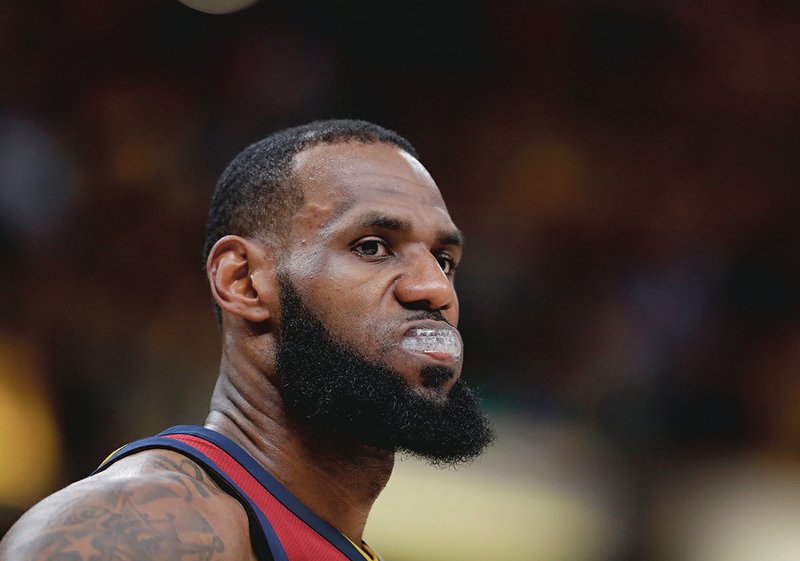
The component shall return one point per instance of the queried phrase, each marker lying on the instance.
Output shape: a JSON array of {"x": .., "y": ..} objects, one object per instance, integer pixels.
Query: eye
[
  {"x": 447, "y": 263},
  {"x": 371, "y": 247}
]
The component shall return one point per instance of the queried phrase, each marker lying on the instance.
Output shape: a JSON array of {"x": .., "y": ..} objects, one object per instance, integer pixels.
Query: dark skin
[
  {"x": 372, "y": 245},
  {"x": 156, "y": 505}
]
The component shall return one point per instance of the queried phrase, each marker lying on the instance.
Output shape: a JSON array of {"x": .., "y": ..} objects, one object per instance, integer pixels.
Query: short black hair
[{"x": 257, "y": 193}]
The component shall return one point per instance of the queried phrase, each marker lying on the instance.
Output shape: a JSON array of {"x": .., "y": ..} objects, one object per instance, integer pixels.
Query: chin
[
  {"x": 438, "y": 377},
  {"x": 438, "y": 396}
]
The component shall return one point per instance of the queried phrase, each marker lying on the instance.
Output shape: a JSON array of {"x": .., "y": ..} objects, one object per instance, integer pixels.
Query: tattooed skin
[
  {"x": 130, "y": 521},
  {"x": 197, "y": 477}
]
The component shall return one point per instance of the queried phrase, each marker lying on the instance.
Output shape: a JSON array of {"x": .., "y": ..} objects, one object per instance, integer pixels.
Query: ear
[{"x": 241, "y": 274}]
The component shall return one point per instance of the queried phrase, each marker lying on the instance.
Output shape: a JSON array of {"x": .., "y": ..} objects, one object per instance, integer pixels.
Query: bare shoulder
[{"x": 156, "y": 505}]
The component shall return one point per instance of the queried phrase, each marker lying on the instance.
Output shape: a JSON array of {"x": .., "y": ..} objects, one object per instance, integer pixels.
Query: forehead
[{"x": 336, "y": 178}]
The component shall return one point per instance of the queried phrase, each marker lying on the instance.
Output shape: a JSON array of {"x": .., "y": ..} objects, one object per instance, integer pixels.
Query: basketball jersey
[{"x": 281, "y": 527}]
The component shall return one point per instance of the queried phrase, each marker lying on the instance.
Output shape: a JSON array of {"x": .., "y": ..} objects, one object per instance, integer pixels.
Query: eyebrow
[
  {"x": 382, "y": 221},
  {"x": 451, "y": 238}
]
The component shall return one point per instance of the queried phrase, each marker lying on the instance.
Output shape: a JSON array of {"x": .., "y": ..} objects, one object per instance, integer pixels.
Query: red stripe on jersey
[{"x": 299, "y": 540}]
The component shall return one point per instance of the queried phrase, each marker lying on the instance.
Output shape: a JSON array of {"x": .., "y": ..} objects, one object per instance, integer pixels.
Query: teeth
[{"x": 434, "y": 341}]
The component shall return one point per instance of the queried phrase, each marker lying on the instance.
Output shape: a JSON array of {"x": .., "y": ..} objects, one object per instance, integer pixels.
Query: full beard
[{"x": 336, "y": 392}]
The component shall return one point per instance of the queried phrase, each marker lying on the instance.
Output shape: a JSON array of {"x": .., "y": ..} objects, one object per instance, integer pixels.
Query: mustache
[{"x": 433, "y": 315}]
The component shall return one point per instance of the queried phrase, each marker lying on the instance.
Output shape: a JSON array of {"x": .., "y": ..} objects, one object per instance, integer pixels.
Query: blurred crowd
[{"x": 626, "y": 175}]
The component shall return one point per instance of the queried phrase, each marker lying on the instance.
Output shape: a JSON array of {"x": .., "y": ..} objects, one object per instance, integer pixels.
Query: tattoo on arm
[
  {"x": 197, "y": 476},
  {"x": 148, "y": 522}
]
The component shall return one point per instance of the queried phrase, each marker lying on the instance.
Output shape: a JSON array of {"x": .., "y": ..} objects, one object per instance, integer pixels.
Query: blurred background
[{"x": 626, "y": 175}]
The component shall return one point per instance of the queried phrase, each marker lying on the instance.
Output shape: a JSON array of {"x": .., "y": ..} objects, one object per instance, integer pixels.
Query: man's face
[
  {"x": 372, "y": 254},
  {"x": 367, "y": 347}
]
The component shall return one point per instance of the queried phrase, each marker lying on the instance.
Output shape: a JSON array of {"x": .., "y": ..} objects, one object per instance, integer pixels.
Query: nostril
[
  {"x": 426, "y": 302},
  {"x": 419, "y": 305}
]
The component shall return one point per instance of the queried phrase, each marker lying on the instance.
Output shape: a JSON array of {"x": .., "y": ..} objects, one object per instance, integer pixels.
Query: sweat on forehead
[
  {"x": 378, "y": 167},
  {"x": 345, "y": 181}
]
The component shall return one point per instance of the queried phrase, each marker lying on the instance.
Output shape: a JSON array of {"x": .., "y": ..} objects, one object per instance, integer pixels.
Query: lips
[{"x": 433, "y": 341}]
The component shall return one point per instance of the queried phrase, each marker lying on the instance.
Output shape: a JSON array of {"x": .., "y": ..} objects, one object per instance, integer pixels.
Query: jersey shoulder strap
[
  {"x": 265, "y": 542},
  {"x": 289, "y": 528}
]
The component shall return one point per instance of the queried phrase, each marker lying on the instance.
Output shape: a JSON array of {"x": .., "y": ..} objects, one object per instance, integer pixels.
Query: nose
[{"x": 425, "y": 286}]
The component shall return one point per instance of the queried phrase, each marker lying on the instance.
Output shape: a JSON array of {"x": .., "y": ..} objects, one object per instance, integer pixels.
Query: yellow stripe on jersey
[
  {"x": 111, "y": 454},
  {"x": 365, "y": 550}
]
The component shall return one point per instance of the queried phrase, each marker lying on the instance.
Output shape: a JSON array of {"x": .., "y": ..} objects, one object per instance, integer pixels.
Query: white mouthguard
[{"x": 433, "y": 341}]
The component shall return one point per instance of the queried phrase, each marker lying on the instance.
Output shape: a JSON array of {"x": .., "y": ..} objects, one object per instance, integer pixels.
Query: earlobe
[{"x": 241, "y": 275}]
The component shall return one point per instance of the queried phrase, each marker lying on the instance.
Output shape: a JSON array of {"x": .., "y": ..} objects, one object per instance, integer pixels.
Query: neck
[{"x": 337, "y": 482}]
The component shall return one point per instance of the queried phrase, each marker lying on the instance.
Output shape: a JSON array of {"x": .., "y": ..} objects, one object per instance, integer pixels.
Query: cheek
[{"x": 344, "y": 298}]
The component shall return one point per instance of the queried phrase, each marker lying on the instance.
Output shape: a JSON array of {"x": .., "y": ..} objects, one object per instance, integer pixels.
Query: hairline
[{"x": 277, "y": 237}]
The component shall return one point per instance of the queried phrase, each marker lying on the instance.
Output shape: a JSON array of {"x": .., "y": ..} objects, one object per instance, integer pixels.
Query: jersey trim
[
  {"x": 273, "y": 486},
  {"x": 191, "y": 440},
  {"x": 365, "y": 551},
  {"x": 275, "y": 550}
]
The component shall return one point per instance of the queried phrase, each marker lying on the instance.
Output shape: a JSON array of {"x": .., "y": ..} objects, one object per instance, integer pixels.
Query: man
[{"x": 330, "y": 255}]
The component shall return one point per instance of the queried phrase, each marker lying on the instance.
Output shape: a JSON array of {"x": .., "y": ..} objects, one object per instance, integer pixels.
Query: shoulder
[{"x": 155, "y": 505}]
